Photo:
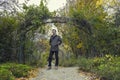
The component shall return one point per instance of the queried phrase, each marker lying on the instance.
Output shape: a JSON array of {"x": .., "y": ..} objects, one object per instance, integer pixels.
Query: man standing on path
[{"x": 55, "y": 41}]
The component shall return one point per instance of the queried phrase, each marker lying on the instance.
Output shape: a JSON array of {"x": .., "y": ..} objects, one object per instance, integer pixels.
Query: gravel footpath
[{"x": 68, "y": 73}]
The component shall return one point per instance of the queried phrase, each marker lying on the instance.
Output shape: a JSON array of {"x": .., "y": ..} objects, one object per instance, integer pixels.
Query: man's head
[{"x": 54, "y": 31}]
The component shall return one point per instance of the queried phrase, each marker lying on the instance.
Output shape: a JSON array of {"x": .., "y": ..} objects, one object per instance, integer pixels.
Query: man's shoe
[
  {"x": 49, "y": 68},
  {"x": 56, "y": 67}
]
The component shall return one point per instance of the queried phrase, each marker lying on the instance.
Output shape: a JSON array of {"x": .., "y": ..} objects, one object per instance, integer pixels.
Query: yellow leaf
[
  {"x": 99, "y": 3},
  {"x": 79, "y": 45},
  {"x": 66, "y": 46}
]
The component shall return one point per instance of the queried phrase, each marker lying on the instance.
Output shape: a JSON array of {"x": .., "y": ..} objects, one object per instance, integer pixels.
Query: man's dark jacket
[{"x": 55, "y": 41}]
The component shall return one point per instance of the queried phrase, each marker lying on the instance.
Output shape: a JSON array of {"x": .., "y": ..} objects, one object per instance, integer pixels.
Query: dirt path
[{"x": 68, "y": 73}]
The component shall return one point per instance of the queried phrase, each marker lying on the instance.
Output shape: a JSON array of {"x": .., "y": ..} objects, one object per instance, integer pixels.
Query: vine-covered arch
[
  {"x": 47, "y": 20},
  {"x": 36, "y": 16}
]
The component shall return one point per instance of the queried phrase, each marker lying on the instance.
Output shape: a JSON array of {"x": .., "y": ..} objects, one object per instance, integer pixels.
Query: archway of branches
[{"x": 86, "y": 27}]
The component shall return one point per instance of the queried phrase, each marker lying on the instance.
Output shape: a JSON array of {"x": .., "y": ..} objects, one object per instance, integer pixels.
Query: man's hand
[{"x": 59, "y": 43}]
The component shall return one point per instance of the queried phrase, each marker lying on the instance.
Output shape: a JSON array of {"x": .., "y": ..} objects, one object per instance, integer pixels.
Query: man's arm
[{"x": 50, "y": 41}]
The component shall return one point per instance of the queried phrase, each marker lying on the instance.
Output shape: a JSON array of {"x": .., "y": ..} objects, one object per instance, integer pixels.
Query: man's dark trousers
[{"x": 51, "y": 57}]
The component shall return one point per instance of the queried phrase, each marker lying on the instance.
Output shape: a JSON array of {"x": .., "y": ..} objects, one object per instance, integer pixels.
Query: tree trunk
[{"x": 21, "y": 55}]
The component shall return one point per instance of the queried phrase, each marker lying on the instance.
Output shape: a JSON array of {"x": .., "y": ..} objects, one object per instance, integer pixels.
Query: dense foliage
[
  {"x": 8, "y": 38},
  {"x": 106, "y": 67},
  {"x": 10, "y": 71},
  {"x": 6, "y": 75},
  {"x": 17, "y": 32},
  {"x": 93, "y": 16}
]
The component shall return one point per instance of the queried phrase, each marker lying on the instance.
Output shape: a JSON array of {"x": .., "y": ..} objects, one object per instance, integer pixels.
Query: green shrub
[
  {"x": 6, "y": 74},
  {"x": 111, "y": 69},
  {"x": 68, "y": 62},
  {"x": 8, "y": 65},
  {"x": 85, "y": 64},
  {"x": 18, "y": 70},
  {"x": 42, "y": 61},
  {"x": 102, "y": 60},
  {"x": 107, "y": 67},
  {"x": 108, "y": 71}
]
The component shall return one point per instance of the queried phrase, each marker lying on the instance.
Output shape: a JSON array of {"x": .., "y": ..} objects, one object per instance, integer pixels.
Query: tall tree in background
[
  {"x": 34, "y": 16},
  {"x": 96, "y": 13},
  {"x": 14, "y": 29}
]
